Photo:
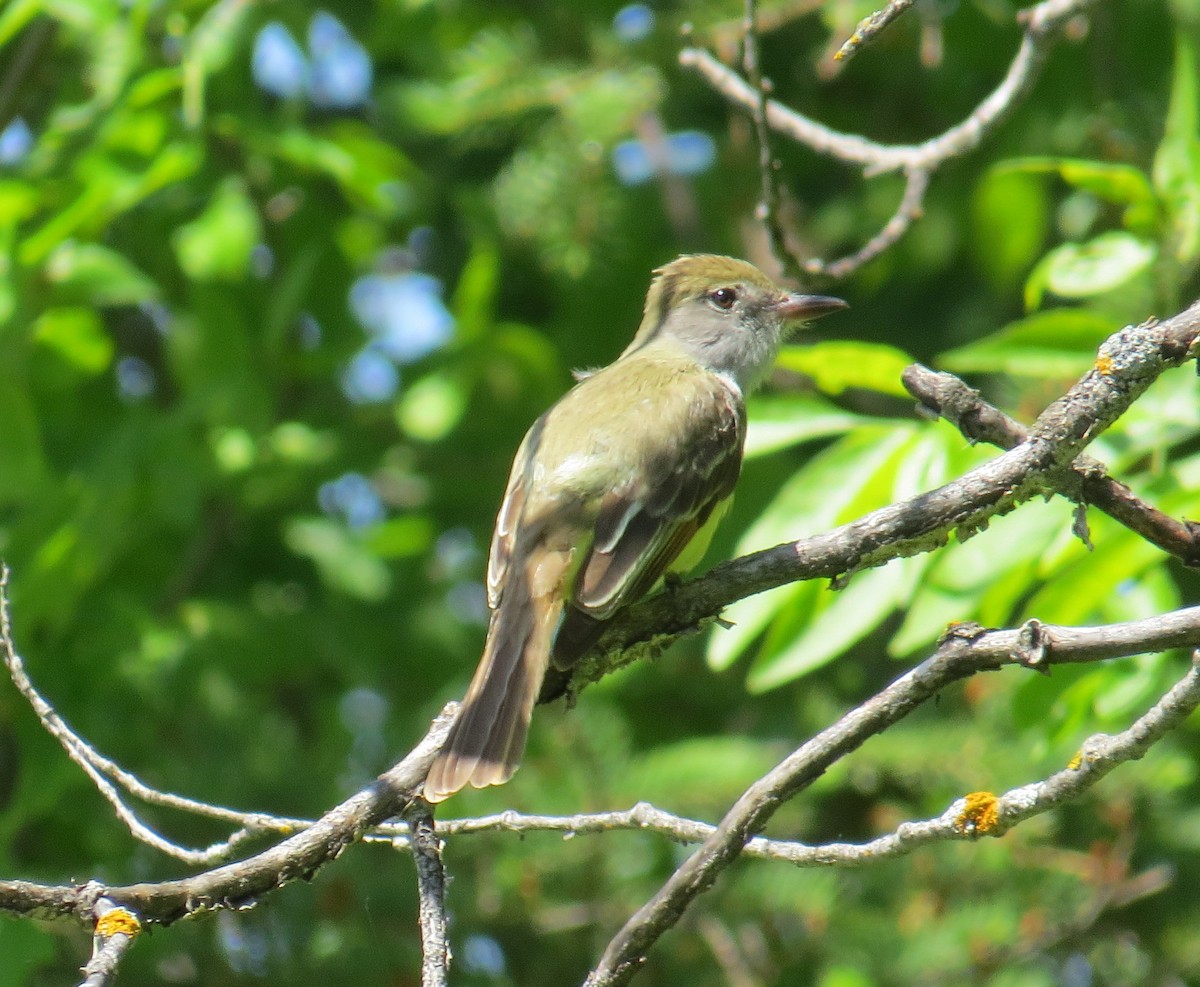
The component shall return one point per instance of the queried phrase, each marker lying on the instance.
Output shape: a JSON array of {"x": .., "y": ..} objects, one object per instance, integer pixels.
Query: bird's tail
[{"x": 488, "y": 738}]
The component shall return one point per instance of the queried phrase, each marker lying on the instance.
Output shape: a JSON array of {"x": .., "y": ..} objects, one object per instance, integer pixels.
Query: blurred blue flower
[
  {"x": 404, "y": 312},
  {"x": 16, "y": 141},
  {"x": 687, "y": 152},
  {"x": 341, "y": 67},
  {"x": 633, "y": 23},
  {"x": 351, "y": 497},
  {"x": 338, "y": 76},
  {"x": 135, "y": 379},
  {"x": 310, "y": 331},
  {"x": 483, "y": 954},
  {"x": 278, "y": 64},
  {"x": 370, "y": 377}
]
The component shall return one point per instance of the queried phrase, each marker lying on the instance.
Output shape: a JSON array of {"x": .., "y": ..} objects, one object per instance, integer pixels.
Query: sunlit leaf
[
  {"x": 1056, "y": 343},
  {"x": 1012, "y": 218},
  {"x": 432, "y": 407},
  {"x": 837, "y": 366},
  {"x": 78, "y": 336},
  {"x": 1081, "y": 270},
  {"x": 90, "y": 272},
  {"x": 852, "y": 614},
  {"x": 216, "y": 246},
  {"x": 777, "y": 421},
  {"x": 1118, "y": 183},
  {"x": 1177, "y": 162}
]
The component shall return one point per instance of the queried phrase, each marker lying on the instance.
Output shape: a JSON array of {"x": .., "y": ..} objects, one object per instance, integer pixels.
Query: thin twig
[
  {"x": 953, "y": 661},
  {"x": 768, "y": 205},
  {"x": 101, "y": 769},
  {"x": 910, "y": 209},
  {"x": 1087, "y": 482},
  {"x": 1042, "y": 26},
  {"x": 870, "y": 27}
]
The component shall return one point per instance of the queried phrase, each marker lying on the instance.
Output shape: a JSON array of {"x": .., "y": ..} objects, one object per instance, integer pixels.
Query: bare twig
[
  {"x": 103, "y": 771},
  {"x": 240, "y": 884},
  {"x": 1042, "y": 24},
  {"x": 870, "y": 27},
  {"x": 910, "y": 209},
  {"x": 768, "y": 205},
  {"x": 972, "y": 816},
  {"x": 1087, "y": 482}
]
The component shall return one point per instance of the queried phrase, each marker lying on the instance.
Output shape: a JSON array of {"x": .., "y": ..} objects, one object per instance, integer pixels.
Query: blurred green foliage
[{"x": 279, "y": 294}]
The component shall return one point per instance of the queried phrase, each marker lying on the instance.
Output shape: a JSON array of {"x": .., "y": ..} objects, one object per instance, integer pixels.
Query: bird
[{"x": 619, "y": 485}]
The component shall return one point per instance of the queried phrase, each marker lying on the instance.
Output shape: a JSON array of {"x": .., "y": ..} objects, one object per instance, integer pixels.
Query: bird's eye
[{"x": 723, "y": 297}]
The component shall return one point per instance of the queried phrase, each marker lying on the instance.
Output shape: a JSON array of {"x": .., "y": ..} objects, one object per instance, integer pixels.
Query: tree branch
[
  {"x": 959, "y": 656},
  {"x": 1128, "y": 362},
  {"x": 1087, "y": 482},
  {"x": 1042, "y": 25}
]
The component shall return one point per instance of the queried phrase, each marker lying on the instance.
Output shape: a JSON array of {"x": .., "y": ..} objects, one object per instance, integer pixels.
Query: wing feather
[
  {"x": 508, "y": 518},
  {"x": 644, "y": 524}
]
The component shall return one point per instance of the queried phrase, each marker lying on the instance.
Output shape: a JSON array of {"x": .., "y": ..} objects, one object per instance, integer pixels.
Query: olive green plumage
[{"x": 610, "y": 486}]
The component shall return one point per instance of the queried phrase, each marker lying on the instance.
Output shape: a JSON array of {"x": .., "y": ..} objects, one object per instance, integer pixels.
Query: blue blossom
[
  {"x": 370, "y": 377},
  {"x": 633, "y": 23},
  {"x": 353, "y": 498},
  {"x": 16, "y": 141},
  {"x": 404, "y": 312},
  {"x": 278, "y": 64},
  {"x": 341, "y": 67},
  {"x": 687, "y": 152}
]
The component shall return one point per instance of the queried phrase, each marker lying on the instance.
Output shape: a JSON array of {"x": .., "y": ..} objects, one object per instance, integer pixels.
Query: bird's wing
[
  {"x": 644, "y": 523},
  {"x": 508, "y": 518}
]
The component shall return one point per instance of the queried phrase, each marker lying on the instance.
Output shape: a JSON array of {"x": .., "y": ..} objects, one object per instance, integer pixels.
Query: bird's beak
[{"x": 803, "y": 308}]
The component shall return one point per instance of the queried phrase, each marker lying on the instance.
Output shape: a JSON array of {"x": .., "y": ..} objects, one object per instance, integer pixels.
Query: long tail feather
[{"x": 488, "y": 738}]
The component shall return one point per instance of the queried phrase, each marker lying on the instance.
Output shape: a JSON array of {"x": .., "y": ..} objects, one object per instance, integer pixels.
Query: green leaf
[
  {"x": 217, "y": 244},
  {"x": 777, "y": 421},
  {"x": 432, "y": 407},
  {"x": 840, "y": 482},
  {"x": 89, "y": 272},
  {"x": 751, "y": 616},
  {"x": 1011, "y": 214},
  {"x": 211, "y": 44},
  {"x": 14, "y": 16},
  {"x": 837, "y": 366},
  {"x": 1056, "y": 343},
  {"x": 78, "y": 336},
  {"x": 20, "y": 445},
  {"x": 853, "y": 614},
  {"x": 1177, "y": 161},
  {"x": 1082, "y": 270},
  {"x": 1121, "y": 184},
  {"x": 344, "y": 562},
  {"x": 370, "y": 172},
  {"x": 474, "y": 301},
  {"x": 401, "y": 537}
]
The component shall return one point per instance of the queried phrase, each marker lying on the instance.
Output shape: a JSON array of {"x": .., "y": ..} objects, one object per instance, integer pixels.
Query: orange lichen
[
  {"x": 980, "y": 814},
  {"x": 118, "y": 921},
  {"x": 1076, "y": 762},
  {"x": 1104, "y": 364}
]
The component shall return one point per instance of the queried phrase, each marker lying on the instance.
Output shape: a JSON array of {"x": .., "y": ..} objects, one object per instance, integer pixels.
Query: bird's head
[{"x": 725, "y": 314}]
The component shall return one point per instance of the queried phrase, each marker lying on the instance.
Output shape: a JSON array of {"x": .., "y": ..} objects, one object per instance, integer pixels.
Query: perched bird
[{"x": 619, "y": 483}]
